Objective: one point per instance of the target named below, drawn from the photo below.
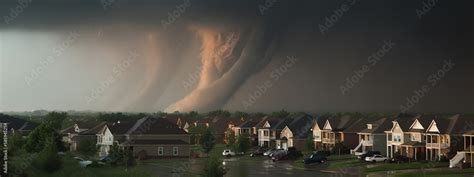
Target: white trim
(432, 124)
(177, 150)
(416, 124)
(327, 125)
(267, 125)
(161, 151)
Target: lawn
(440, 173)
(405, 166)
(71, 168)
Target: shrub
(213, 168)
(48, 159)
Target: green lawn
(405, 166)
(440, 173)
(71, 168)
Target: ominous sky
(250, 55)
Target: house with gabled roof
(146, 137)
(268, 131)
(464, 155)
(333, 132)
(181, 121)
(16, 125)
(316, 130)
(295, 132)
(406, 136)
(373, 137)
(439, 135)
(81, 130)
(414, 146)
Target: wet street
(237, 167)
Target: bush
(340, 148)
(48, 159)
(443, 158)
(213, 168)
(87, 147)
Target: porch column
(415, 153)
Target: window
(175, 151)
(265, 133)
(160, 151)
(369, 126)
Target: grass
(71, 168)
(406, 166)
(440, 173)
(341, 157)
(344, 164)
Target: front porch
(413, 150)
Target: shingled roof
(301, 125)
(17, 124)
(155, 126)
(342, 123)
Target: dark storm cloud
(444, 31)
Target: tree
(87, 147)
(309, 143)
(243, 143)
(230, 138)
(220, 113)
(37, 139)
(193, 114)
(213, 168)
(280, 114)
(241, 114)
(56, 119)
(48, 159)
(207, 141)
(196, 132)
(120, 156)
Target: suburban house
(268, 131)
(220, 125)
(316, 129)
(231, 123)
(406, 136)
(372, 137)
(112, 133)
(16, 125)
(146, 137)
(439, 137)
(152, 137)
(465, 155)
(295, 132)
(181, 122)
(333, 132)
(414, 146)
(80, 131)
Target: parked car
(399, 159)
(277, 152)
(268, 152)
(325, 153)
(83, 163)
(258, 152)
(368, 154)
(376, 158)
(228, 153)
(315, 158)
(290, 154)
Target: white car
(83, 163)
(376, 158)
(228, 153)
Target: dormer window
(369, 126)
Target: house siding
(152, 150)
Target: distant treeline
(73, 116)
